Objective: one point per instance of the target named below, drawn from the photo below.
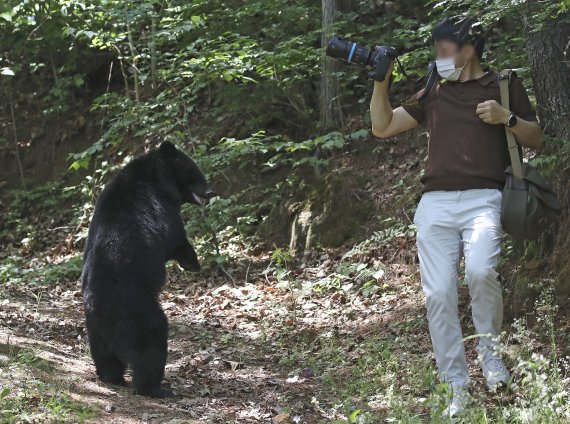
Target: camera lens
(341, 48)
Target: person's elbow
(377, 132)
(538, 138)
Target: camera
(378, 59)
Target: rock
(283, 418)
(308, 373)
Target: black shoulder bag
(529, 205)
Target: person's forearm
(380, 109)
(528, 134)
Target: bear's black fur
(136, 228)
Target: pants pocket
(417, 214)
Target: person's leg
(439, 242)
(481, 233)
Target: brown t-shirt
(463, 151)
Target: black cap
(460, 29)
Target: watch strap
(512, 117)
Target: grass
(28, 395)
(384, 385)
(40, 402)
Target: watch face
(512, 120)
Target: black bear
(136, 228)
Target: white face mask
(446, 68)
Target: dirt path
(236, 354)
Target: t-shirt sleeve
(518, 100)
(415, 108)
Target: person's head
(459, 37)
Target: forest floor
(337, 336)
(301, 343)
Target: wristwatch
(511, 121)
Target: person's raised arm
(385, 121)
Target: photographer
(462, 187)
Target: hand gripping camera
(378, 59)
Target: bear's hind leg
(149, 356)
(110, 369)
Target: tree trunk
(331, 112)
(154, 19)
(551, 75)
(548, 59)
(133, 53)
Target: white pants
(448, 223)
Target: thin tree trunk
(16, 150)
(53, 68)
(154, 18)
(331, 112)
(133, 53)
(123, 72)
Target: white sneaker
(494, 370)
(459, 400)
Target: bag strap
(504, 80)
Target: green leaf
(353, 415)
(81, 163)
(360, 134)
(4, 393)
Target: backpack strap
(431, 78)
(504, 80)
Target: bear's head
(189, 178)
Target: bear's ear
(168, 149)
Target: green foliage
(282, 258)
(276, 150)
(280, 268)
(210, 230)
(261, 55)
(35, 32)
(235, 82)
(16, 270)
(27, 209)
(393, 230)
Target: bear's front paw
(193, 266)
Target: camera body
(377, 59)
